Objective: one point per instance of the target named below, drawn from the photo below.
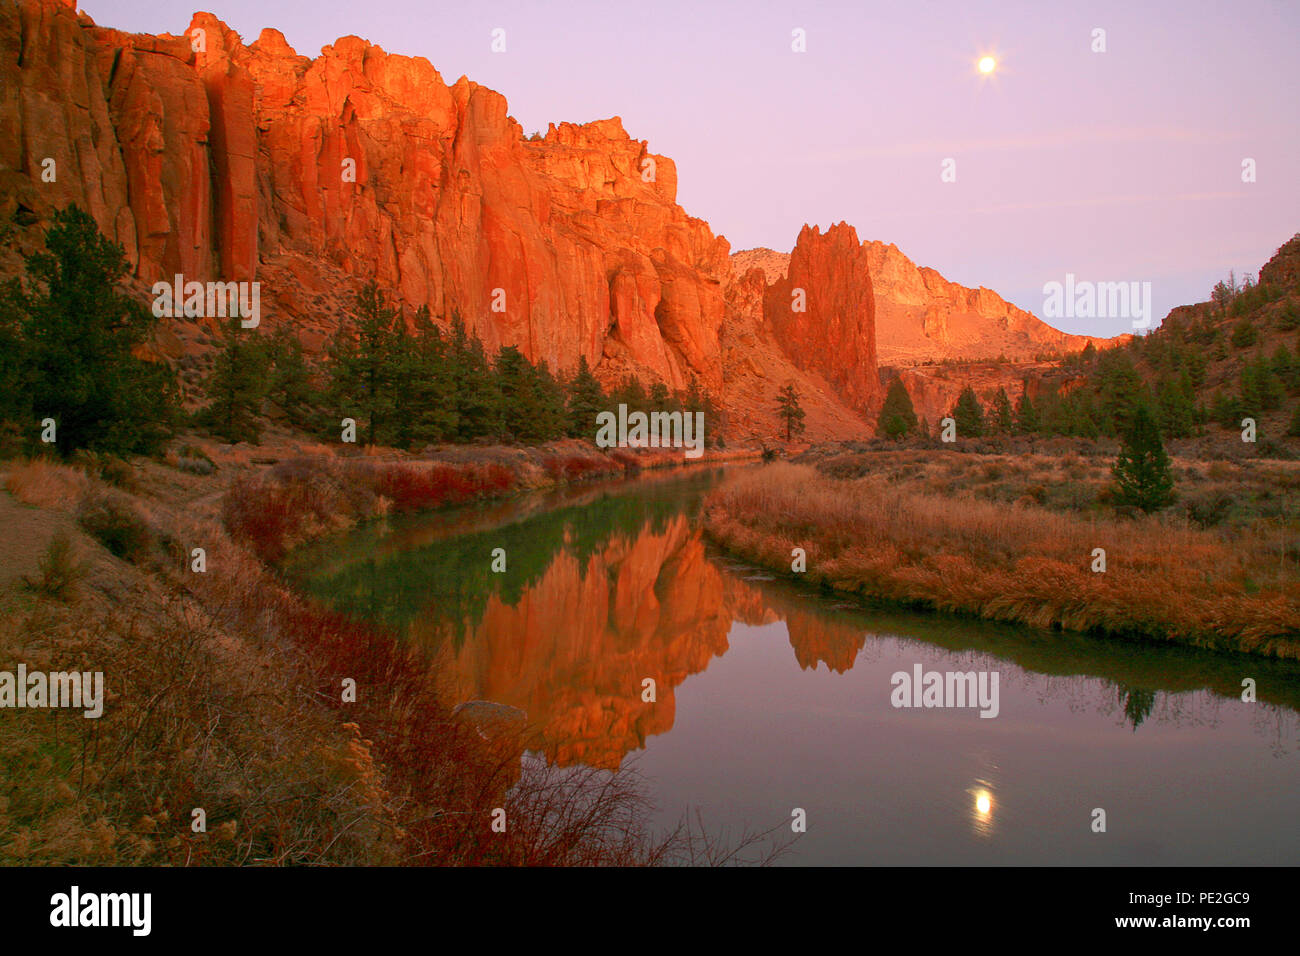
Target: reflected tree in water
(1138, 704)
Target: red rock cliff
(218, 160)
(823, 314)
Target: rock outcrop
(1284, 268)
(921, 316)
(823, 312)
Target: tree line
(411, 385)
(71, 347)
(1107, 395)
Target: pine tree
(1196, 362)
(660, 400)
(401, 372)
(433, 411)
(695, 399)
(1121, 391)
(968, 414)
(1142, 472)
(290, 387)
(361, 364)
(1243, 335)
(586, 401)
(897, 416)
(476, 398)
(632, 394)
(790, 411)
(552, 418)
(1176, 412)
(520, 403)
(1260, 389)
(1002, 416)
(70, 339)
(237, 385)
(1286, 368)
(1027, 420)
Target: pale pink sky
(1122, 165)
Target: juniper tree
(968, 414)
(586, 400)
(71, 339)
(361, 365)
(236, 386)
(897, 416)
(1142, 472)
(790, 411)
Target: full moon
(988, 64)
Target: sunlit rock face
(216, 159)
(220, 160)
(921, 316)
(823, 312)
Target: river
(772, 698)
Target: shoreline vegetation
(228, 691)
(983, 536)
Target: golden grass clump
(46, 484)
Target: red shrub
(419, 487)
(264, 513)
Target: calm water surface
(772, 696)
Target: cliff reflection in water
(612, 587)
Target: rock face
(823, 312)
(222, 161)
(921, 316)
(1284, 268)
(755, 367)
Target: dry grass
(1165, 579)
(46, 484)
(1234, 493)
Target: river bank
(244, 723)
(882, 533)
